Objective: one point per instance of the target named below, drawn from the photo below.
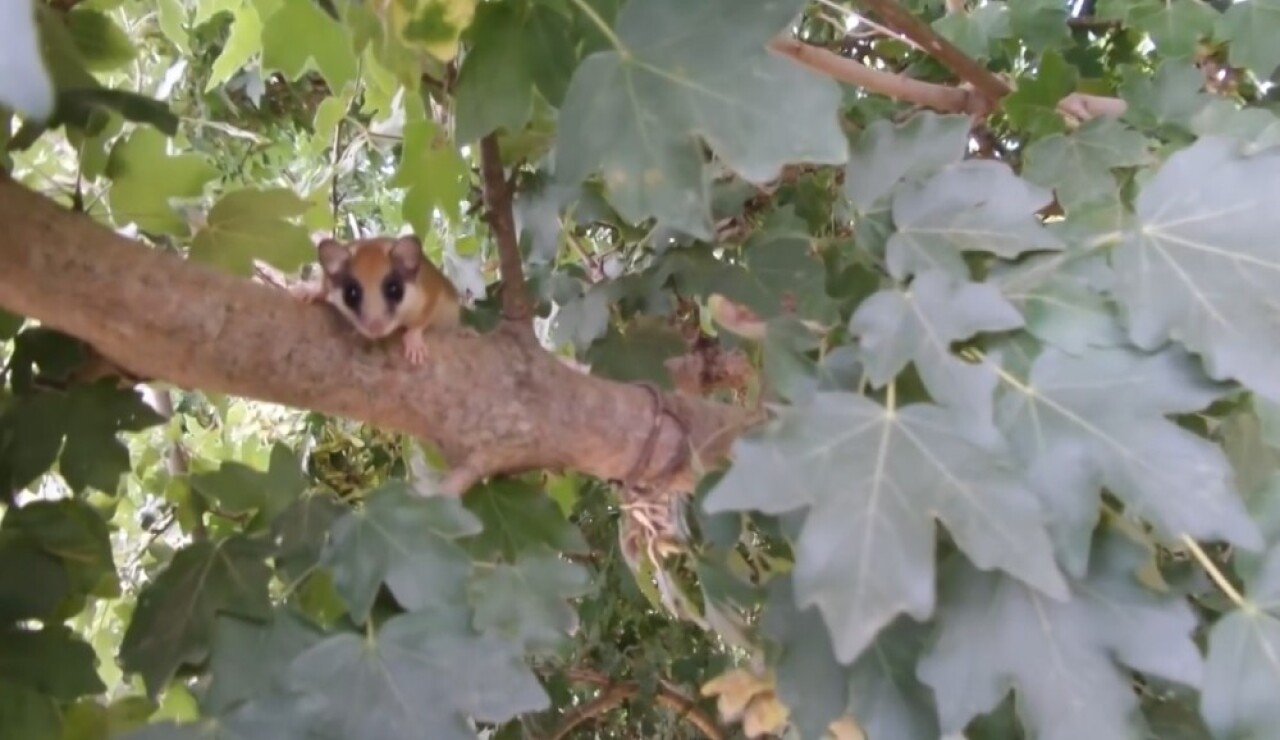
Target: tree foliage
(1003, 274)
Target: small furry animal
(382, 284)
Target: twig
(938, 97)
(497, 199)
(942, 98)
(614, 693)
(898, 18)
(177, 464)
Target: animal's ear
(406, 255)
(333, 255)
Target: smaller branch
(178, 464)
(614, 693)
(497, 199)
(955, 6)
(898, 18)
(938, 97)
(941, 98)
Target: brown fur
(429, 301)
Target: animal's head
(373, 282)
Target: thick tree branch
(493, 403)
(497, 200)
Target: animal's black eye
(351, 294)
(393, 289)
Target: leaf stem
(605, 29)
(1217, 575)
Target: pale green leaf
(877, 478)
(144, 178)
(300, 37)
(103, 45)
(976, 30)
(1251, 29)
(919, 324)
(635, 113)
(1178, 26)
(1242, 675)
(528, 601)
(174, 621)
(243, 43)
(421, 675)
(1202, 264)
(1059, 656)
(254, 224)
(434, 173)
(406, 541)
(970, 206)
(885, 155)
(1077, 166)
(1099, 419)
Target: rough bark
(491, 403)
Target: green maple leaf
(920, 324)
(885, 155)
(301, 530)
(1061, 296)
(53, 661)
(177, 612)
(253, 224)
(784, 275)
(970, 206)
(75, 533)
(1242, 675)
(528, 601)
(877, 478)
(678, 73)
(102, 44)
(1077, 166)
(420, 676)
(1259, 128)
(1172, 97)
(637, 355)
(435, 174)
(513, 47)
(298, 36)
(519, 517)
(1081, 423)
(242, 44)
(78, 428)
(248, 658)
(406, 541)
(1040, 25)
(976, 30)
(1178, 25)
(238, 488)
(1033, 107)
(27, 713)
(1201, 264)
(1251, 28)
(144, 178)
(880, 689)
(1059, 656)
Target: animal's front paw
(414, 348)
(307, 292)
